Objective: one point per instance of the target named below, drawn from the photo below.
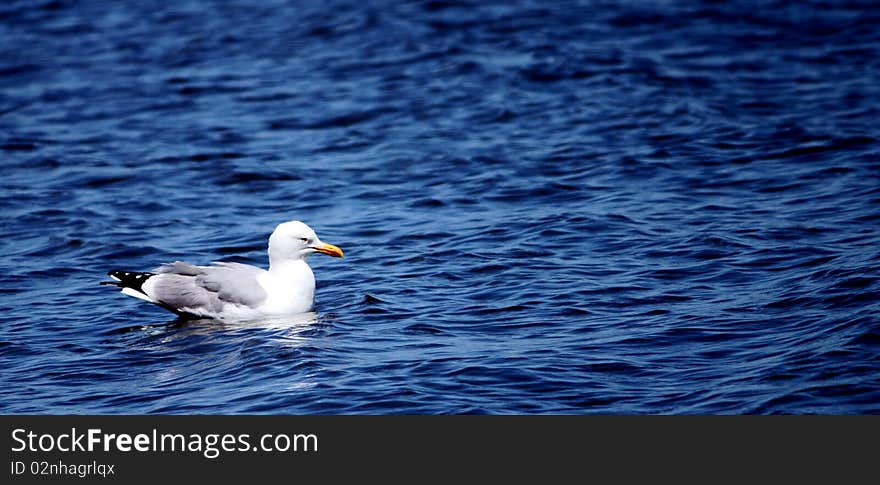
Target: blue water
(595, 207)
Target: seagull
(235, 291)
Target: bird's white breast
(290, 289)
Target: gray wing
(206, 289)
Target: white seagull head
(295, 240)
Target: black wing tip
(127, 279)
(117, 281)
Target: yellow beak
(330, 250)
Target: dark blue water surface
(596, 207)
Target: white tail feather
(137, 294)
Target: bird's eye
(304, 239)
